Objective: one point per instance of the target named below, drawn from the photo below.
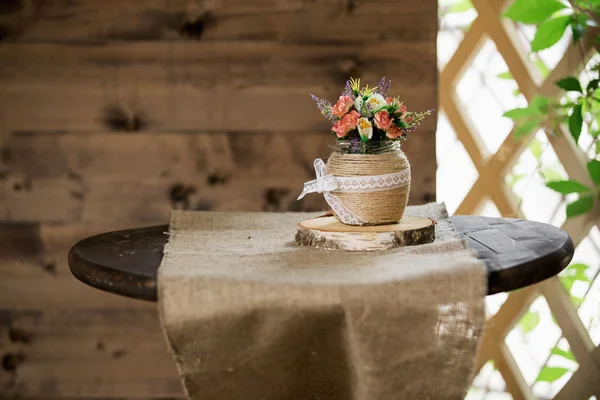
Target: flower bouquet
(366, 180)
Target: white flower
(365, 129)
(376, 101)
(358, 103)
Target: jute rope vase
(384, 206)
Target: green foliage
(580, 206)
(529, 321)
(526, 128)
(576, 122)
(528, 119)
(543, 68)
(460, 7)
(533, 11)
(550, 32)
(570, 83)
(574, 273)
(551, 174)
(519, 113)
(551, 374)
(593, 167)
(566, 187)
(568, 354)
(536, 149)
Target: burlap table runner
(250, 315)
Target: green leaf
(551, 374)
(593, 167)
(526, 128)
(533, 11)
(519, 113)
(578, 268)
(550, 174)
(536, 149)
(544, 70)
(540, 102)
(459, 7)
(593, 85)
(550, 32)
(578, 31)
(577, 300)
(570, 84)
(529, 321)
(563, 353)
(576, 122)
(597, 147)
(567, 282)
(569, 186)
(581, 206)
(512, 179)
(505, 75)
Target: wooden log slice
(328, 233)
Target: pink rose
(343, 105)
(389, 100)
(402, 111)
(408, 119)
(394, 132)
(351, 119)
(346, 124)
(383, 120)
(339, 129)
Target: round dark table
(517, 253)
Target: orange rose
(351, 119)
(402, 111)
(383, 120)
(343, 105)
(394, 132)
(346, 124)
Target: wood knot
(428, 197)
(10, 361)
(217, 178)
(17, 335)
(274, 197)
(349, 67)
(195, 28)
(350, 6)
(117, 119)
(49, 267)
(179, 195)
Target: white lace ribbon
(327, 183)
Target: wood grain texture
(113, 112)
(102, 20)
(181, 85)
(85, 353)
(83, 175)
(328, 233)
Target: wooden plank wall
(112, 112)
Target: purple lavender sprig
(348, 90)
(383, 88)
(324, 107)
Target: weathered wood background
(112, 112)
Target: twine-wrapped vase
(384, 204)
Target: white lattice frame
(492, 169)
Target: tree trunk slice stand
(326, 232)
